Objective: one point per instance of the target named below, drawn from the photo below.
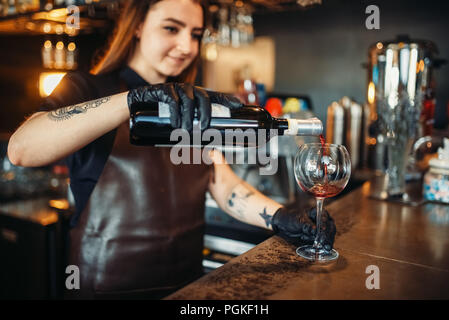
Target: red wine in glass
(322, 170)
(325, 191)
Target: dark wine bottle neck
(280, 124)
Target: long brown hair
(123, 41)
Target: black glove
(183, 99)
(300, 227)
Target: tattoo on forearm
(234, 196)
(266, 217)
(68, 112)
(237, 200)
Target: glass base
(317, 255)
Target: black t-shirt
(86, 165)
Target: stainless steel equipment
(335, 132)
(399, 75)
(346, 125)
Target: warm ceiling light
(47, 44)
(71, 46)
(70, 30)
(58, 13)
(47, 27)
(306, 3)
(210, 52)
(59, 29)
(48, 81)
(60, 45)
(371, 92)
(48, 6)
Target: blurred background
(297, 59)
(317, 50)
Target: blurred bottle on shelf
(248, 27)
(71, 56)
(261, 93)
(234, 24)
(47, 54)
(57, 55)
(274, 107)
(234, 28)
(246, 87)
(224, 31)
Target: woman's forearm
(49, 136)
(238, 198)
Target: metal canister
(399, 74)
(353, 130)
(335, 132)
(345, 125)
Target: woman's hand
(301, 226)
(183, 99)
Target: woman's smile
(177, 60)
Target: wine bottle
(150, 125)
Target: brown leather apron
(141, 233)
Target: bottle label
(218, 111)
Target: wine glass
(322, 170)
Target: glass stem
(319, 210)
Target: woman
(138, 227)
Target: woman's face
(170, 36)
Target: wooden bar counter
(408, 244)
